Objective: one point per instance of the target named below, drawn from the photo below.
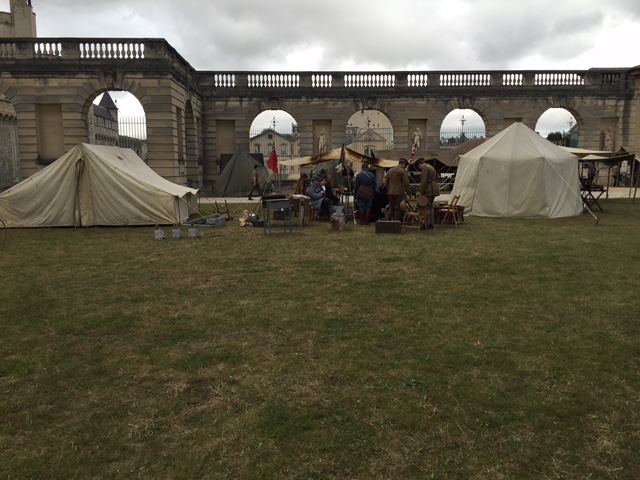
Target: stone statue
(322, 143)
(608, 140)
(417, 136)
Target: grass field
(505, 349)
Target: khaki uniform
(397, 189)
(429, 188)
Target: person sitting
(318, 198)
(380, 201)
(327, 186)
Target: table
(590, 195)
(281, 206)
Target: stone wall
(195, 117)
(9, 155)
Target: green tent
(235, 178)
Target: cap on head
(315, 178)
(365, 166)
(403, 161)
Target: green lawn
(505, 349)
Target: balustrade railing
(111, 50)
(123, 50)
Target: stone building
(9, 153)
(103, 122)
(20, 21)
(287, 146)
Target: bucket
(338, 222)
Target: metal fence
(133, 134)
(126, 132)
(451, 138)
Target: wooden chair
(415, 218)
(451, 211)
(224, 213)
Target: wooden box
(388, 226)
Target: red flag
(273, 161)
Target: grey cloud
(400, 35)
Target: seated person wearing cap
(318, 198)
(327, 186)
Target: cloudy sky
(356, 35)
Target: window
(283, 149)
(256, 148)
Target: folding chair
(226, 214)
(451, 211)
(414, 218)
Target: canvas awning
(342, 153)
(610, 160)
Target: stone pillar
(9, 154)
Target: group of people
(372, 201)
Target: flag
(273, 161)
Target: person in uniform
(429, 188)
(398, 188)
(255, 181)
(364, 188)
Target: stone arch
(369, 131)
(461, 125)
(116, 119)
(559, 125)
(276, 128)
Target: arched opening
(369, 132)
(558, 125)
(460, 126)
(117, 118)
(275, 130)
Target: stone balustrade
(141, 50)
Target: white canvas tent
(96, 185)
(518, 173)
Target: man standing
(255, 181)
(398, 188)
(364, 188)
(429, 188)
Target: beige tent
(96, 185)
(518, 173)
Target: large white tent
(518, 173)
(96, 185)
